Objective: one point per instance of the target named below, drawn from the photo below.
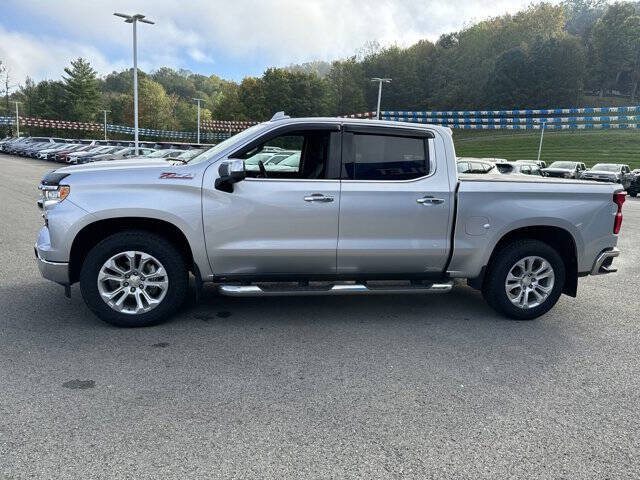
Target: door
(395, 205)
(283, 218)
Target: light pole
(198, 100)
(105, 122)
(380, 82)
(134, 19)
(17, 119)
(541, 138)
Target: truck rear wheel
(134, 279)
(524, 280)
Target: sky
(232, 39)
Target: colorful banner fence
(508, 113)
(218, 130)
(522, 119)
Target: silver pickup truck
(320, 206)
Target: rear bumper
(603, 262)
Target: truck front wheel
(134, 279)
(524, 280)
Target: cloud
(45, 58)
(44, 36)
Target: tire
(145, 305)
(633, 193)
(494, 289)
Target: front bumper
(55, 271)
(603, 262)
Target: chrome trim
(598, 269)
(341, 289)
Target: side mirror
(230, 172)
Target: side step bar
(341, 289)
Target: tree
(155, 107)
(612, 45)
(557, 68)
(346, 83)
(176, 83)
(581, 15)
(510, 87)
(632, 30)
(82, 91)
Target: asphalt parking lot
(336, 387)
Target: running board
(346, 289)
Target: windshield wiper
(168, 159)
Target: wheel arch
(91, 234)
(556, 237)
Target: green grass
(588, 146)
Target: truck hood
(117, 164)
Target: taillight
(618, 199)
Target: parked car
(540, 163)
(474, 165)
(63, 155)
(121, 153)
(77, 156)
(565, 169)
(519, 168)
(269, 157)
(609, 172)
(131, 231)
(96, 156)
(33, 148)
(159, 154)
(12, 142)
(189, 154)
(634, 184)
(45, 152)
(289, 164)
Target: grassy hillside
(613, 146)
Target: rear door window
(386, 157)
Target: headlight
(52, 194)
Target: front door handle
(429, 200)
(318, 197)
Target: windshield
(606, 167)
(220, 147)
(504, 167)
(568, 165)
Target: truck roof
(361, 121)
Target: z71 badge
(175, 176)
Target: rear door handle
(318, 197)
(429, 200)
